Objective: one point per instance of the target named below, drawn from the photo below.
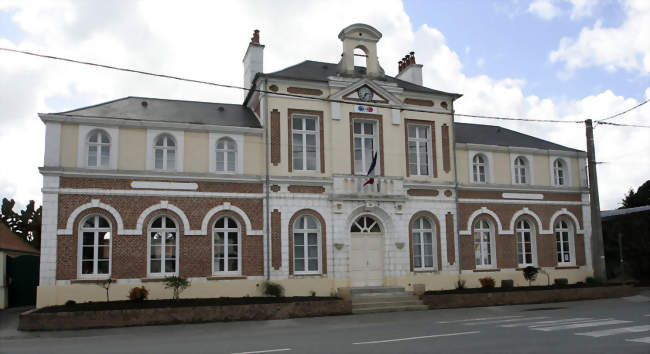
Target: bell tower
(365, 38)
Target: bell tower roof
(360, 31)
(363, 37)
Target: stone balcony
(350, 187)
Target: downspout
(267, 184)
(457, 232)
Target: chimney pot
(412, 57)
(399, 66)
(256, 37)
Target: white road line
(264, 351)
(640, 340)
(505, 321)
(413, 338)
(613, 331)
(571, 322)
(548, 323)
(581, 325)
(479, 319)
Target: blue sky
(556, 59)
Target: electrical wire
(600, 121)
(311, 97)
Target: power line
(600, 121)
(625, 125)
(302, 96)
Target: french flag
(371, 180)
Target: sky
(548, 59)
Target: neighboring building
(18, 270)
(141, 188)
(626, 233)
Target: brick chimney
(409, 71)
(253, 60)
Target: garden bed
(157, 312)
(522, 295)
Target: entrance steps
(384, 299)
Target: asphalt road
(600, 326)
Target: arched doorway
(366, 252)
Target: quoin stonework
(228, 195)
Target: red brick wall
(275, 137)
(120, 183)
(451, 248)
(446, 164)
(276, 239)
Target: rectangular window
(304, 142)
(418, 150)
(365, 142)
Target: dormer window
(165, 153)
(99, 149)
(479, 169)
(559, 172)
(522, 175)
(226, 155)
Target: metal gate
(22, 276)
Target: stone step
(390, 309)
(363, 297)
(376, 289)
(383, 298)
(364, 305)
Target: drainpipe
(457, 233)
(267, 181)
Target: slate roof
(11, 242)
(320, 71)
(495, 135)
(176, 111)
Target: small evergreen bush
(460, 284)
(507, 283)
(178, 284)
(530, 274)
(138, 294)
(561, 281)
(487, 282)
(70, 303)
(592, 281)
(270, 288)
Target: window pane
(105, 153)
(231, 161)
(297, 124)
(159, 159)
(298, 239)
(411, 131)
(312, 239)
(170, 252)
(313, 265)
(93, 137)
(220, 223)
(428, 261)
(357, 128)
(232, 264)
(87, 267)
(170, 266)
(299, 265)
(311, 222)
(103, 252)
(422, 132)
(155, 266)
(300, 252)
(88, 253)
(312, 252)
(231, 223)
(417, 261)
(170, 142)
(367, 128)
(171, 159)
(102, 267)
(310, 124)
(92, 155)
(88, 238)
(156, 252)
(220, 161)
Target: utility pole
(597, 252)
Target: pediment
(379, 94)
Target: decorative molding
(522, 196)
(164, 185)
(482, 210)
(520, 201)
(304, 91)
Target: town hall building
(327, 176)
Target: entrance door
(367, 252)
(22, 274)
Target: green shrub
(312, 293)
(530, 274)
(460, 284)
(487, 282)
(592, 281)
(70, 303)
(561, 281)
(138, 294)
(507, 283)
(178, 284)
(270, 288)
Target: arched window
(99, 149)
(564, 237)
(163, 246)
(559, 172)
(165, 153)
(226, 155)
(521, 170)
(424, 237)
(306, 245)
(95, 246)
(525, 243)
(479, 169)
(484, 243)
(365, 224)
(360, 57)
(226, 252)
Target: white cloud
(625, 47)
(582, 8)
(544, 9)
(207, 40)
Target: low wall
(35, 321)
(520, 297)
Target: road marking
(479, 319)
(548, 323)
(264, 351)
(640, 340)
(421, 337)
(580, 325)
(505, 321)
(613, 331)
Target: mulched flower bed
(150, 304)
(517, 288)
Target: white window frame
(82, 146)
(567, 170)
(417, 139)
(239, 142)
(225, 151)
(528, 167)
(227, 230)
(476, 169)
(150, 229)
(570, 230)
(492, 239)
(489, 176)
(99, 146)
(305, 231)
(418, 228)
(95, 230)
(179, 140)
(520, 230)
(304, 133)
(375, 145)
